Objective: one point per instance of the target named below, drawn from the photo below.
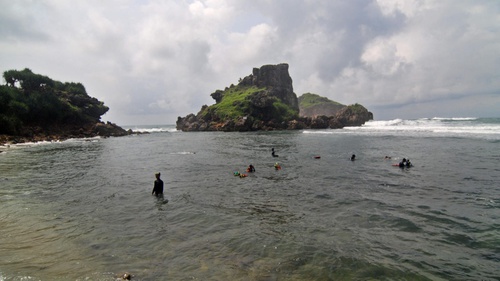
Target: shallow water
(83, 210)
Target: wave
(153, 128)
(437, 126)
(455, 118)
(183, 153)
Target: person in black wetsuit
(353, 157)
(402, 164)
(273, 153)
(158, 186)
(251, 168)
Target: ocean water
(83, 209)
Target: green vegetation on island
(308, 100)
(35, 107)
(313, 105)
(264, 100)
(246, 101)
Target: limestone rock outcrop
(265, 100)
(277, 80)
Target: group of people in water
(405, 163)
(158, 184)
(250, 169)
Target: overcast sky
(152, 61)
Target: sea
(82, 209)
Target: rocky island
(265, 100)
(35, 108)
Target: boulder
(108, 130)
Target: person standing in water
(158, 186)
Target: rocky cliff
(265, 100)
(276, 80)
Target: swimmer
(251, 168)
(402, 164)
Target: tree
(28, 80)
(33, 100)
(10, 77)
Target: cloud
(17, 18)
(151, 61)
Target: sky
(151, 61)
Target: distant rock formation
(312, 105)
(322, 113)
(349, 116)
(265, 100)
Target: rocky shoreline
(35, 108)
(346, 117)
(37, 134)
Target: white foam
(318, 132)
(455, 118)
(154, 129)
(436, 126)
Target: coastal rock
(312, 105)
(320, 122)
(355, 115)
(265, 100)
(352, 115)
(324, 113)
(109, 130)
(61, 133)
(277, 79)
